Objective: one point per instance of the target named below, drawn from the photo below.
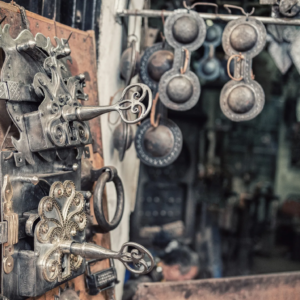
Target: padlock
(101, 280)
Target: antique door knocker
(242, 98)
(185, 31)
(209, 66)
(158, 142)
(105, 175)
(156, 61)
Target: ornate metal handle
(134, 104)
(135, 256)
(108, 174)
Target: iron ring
(109, 174)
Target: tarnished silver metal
(108, 174)
(43, 99)
(243, 98)
(156, 60)
(179, 88)
(209, 66)
(135, 256)
(29, 226)
(160, 146)
(134, 104)
(62, 220)
(122, 139)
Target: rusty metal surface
(284, 286)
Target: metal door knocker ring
(240, 57)
(108, 174)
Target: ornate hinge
(12, 221)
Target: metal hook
(201, 3)
(228, 6)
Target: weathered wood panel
(282, 286)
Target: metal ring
(109, 174)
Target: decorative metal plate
(163, 86)
(169, 29)
(257, 107)
(149, 159)
(259, 28)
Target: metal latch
(3, 233)
(101, 280)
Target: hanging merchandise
(185, 31)
(156, 61)
(242, 98)
(129, 67)
(209, 66)
(130, 59)
(158, 142)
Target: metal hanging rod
(148, 13)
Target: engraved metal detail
(62, 217)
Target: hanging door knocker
(158, 141)
(156, 61)
(108, 174)
(185, 31)
(242, 98)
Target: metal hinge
(12, 220)
(3, 232)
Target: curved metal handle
(134, 104)
(109, 174)
(135, 256)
